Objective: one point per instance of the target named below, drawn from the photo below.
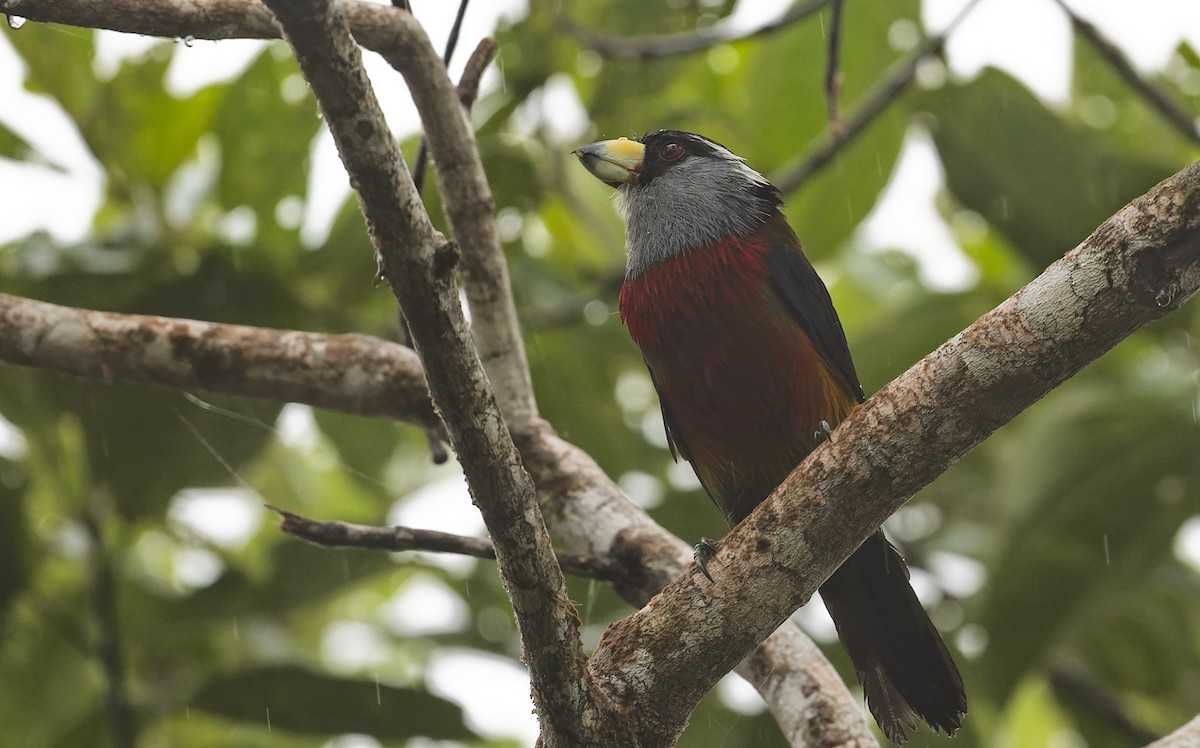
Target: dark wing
(674, 436)
(801, 292)
(678, 448)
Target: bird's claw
(703, 551)
(824, 433)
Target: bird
(752, 370)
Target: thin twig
(397, 539)
(423, 149)
(469, 208)
(884, 94)
(468, 84)
(667, 45)
(436, 450)
(1171, 111)
(833, 72)
(468, 90)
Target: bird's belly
(747, 392)
(744, 387)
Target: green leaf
(42, 664)
(296, 574)
(139, 131)
(264, 137)
(1041, 181)
(17, 148)
(784, 113)
(60, 64)
(298, 700)
(146, 445)
(1086, 503)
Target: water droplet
(1164, 297)
(189, 40)
(15, 22)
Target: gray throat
(662, 220)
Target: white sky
(1027, 38)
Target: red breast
(739, 376)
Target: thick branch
(418, 264)
(588, 512)
(1139, 265)
(355, 374)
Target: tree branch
(588, 512)
(355, 374)
(883, 95)
(469, 208)
(418, 264)
(1185, 737)
(655, 46)
(396, 539)
(1140, 264)
(833, 71)
(1170, 111)
(1082, 689)
(418, 171)
(213, 19)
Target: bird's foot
(824, 433)
(704, 551)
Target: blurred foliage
(1051, 549)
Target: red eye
(671, 151)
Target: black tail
(902, 663)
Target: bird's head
(679, 191)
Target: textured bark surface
(652, 668)
(356, 374)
